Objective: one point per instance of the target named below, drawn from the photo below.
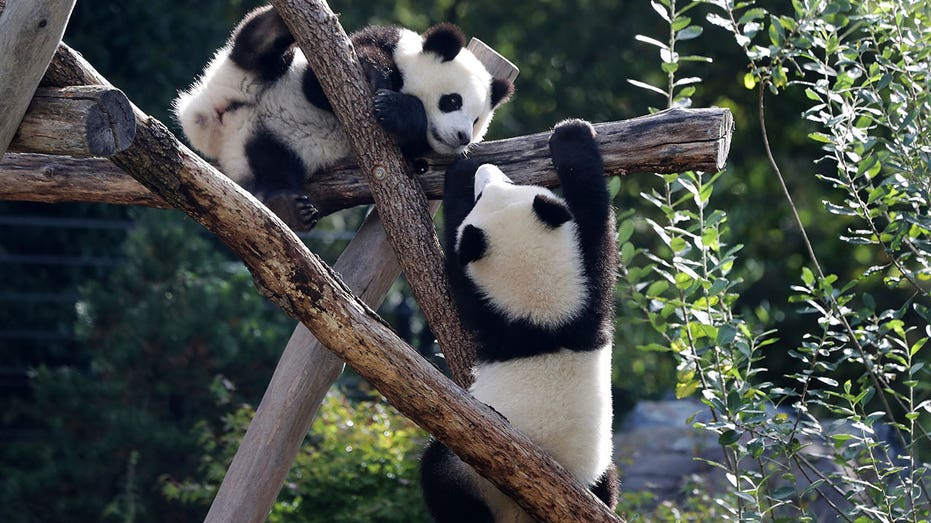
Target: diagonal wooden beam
(666, 142)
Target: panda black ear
(472, 245)
(551, 211)
(445, 40)
(501, 91)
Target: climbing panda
(533, 275)
(259, 110)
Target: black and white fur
(259, 110)
(533, 274)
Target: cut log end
(78, 121)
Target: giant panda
(533, 275)
(259, 110)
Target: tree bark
(671, 141)
(298, 282)
(400, 201)
(304, 373)
(29, 34)
(56, 179)
(82, 121)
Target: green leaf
(749, 81)
(680, 23)
(689, 33)
(625, 231)
(728, 438)
(648, 87)
(657, 288)
(807, 276)
(726, 334)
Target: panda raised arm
(260, 112)
(533, 275)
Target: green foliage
(358, 463)
(864, 66)
(171, 318)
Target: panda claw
(295, 209)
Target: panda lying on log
(533, 274)
(260, 112)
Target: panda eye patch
(450, 102)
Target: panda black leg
(578, 163)
(606, 489)
(403, 115)
(262, 43)
(449, 496)
(279, 179)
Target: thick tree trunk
(92, 120)
(298, 282)
(666, 142)
(29, 34)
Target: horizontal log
(669, 141)
(92, 120)
(56, 179)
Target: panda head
(458, 94)
(519, 246)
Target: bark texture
(82, 121)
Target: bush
(358, 463)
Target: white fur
(561, 401)
(522, 252)
(312, 133)
(428, 77)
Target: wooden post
(92, 120)
(29, 34)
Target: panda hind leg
(262, 43)
(278, 180)
(451, 497)
(606, 489)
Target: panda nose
(464, 138)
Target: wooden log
(29, 35)
(304, 373)
(297, 281)
(55, 179)
(670, 141)
(92, 120)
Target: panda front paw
(400, 114)
(573, 143)
(294, 208)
